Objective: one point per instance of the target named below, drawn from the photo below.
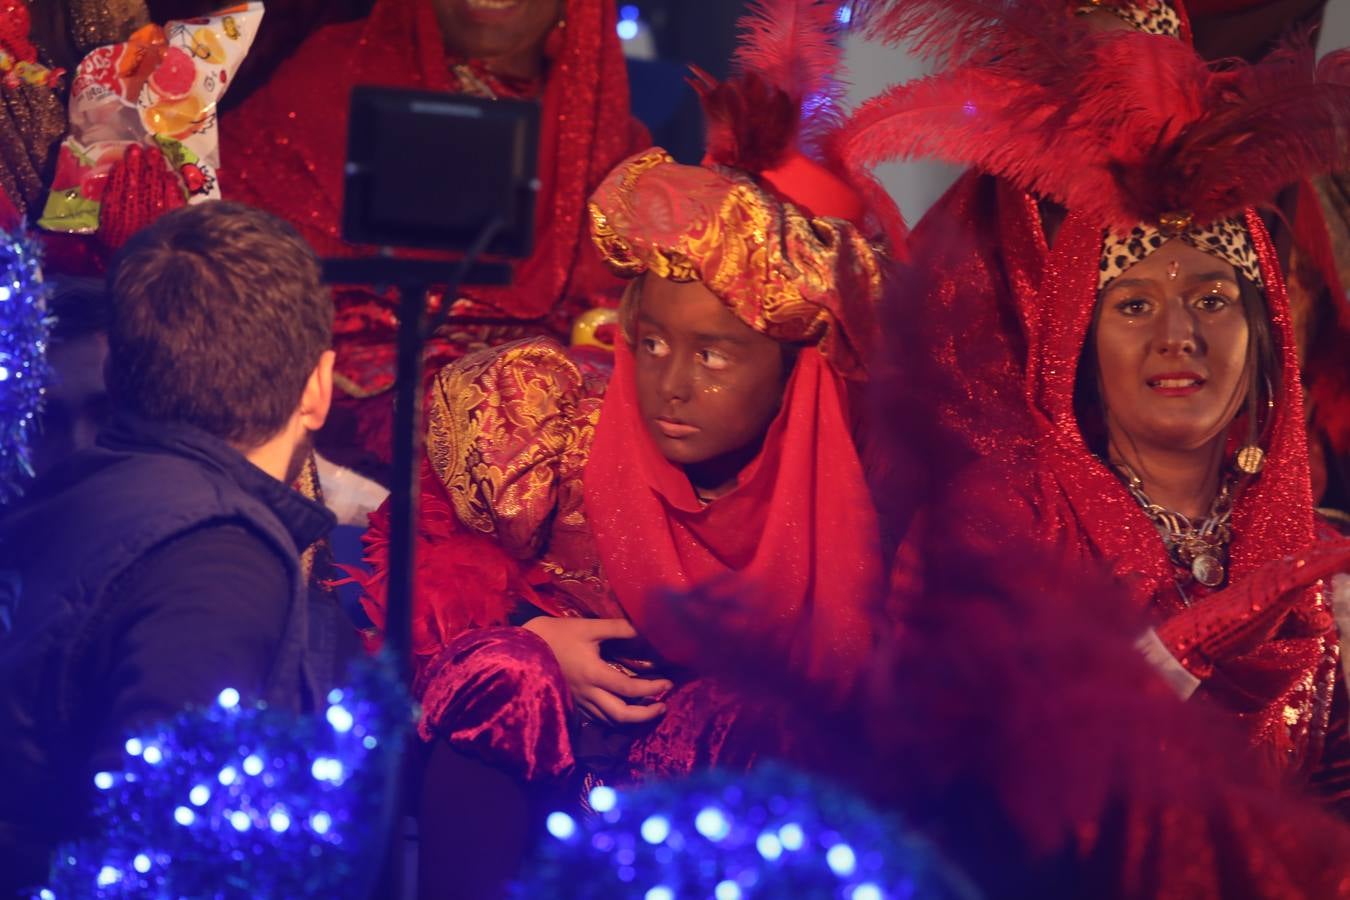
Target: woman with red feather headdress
(1162, 406)
(976, 255)
(284, 147)
(557, 509)
(982, 245)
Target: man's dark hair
(219, 315)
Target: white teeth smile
(491, 4)
(1175, 382)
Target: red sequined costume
(1163, 144)
(544, 487)
(283, 150)
(1278, 681)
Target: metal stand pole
(412, 279)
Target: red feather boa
(463, 580)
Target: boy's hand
(600, 690)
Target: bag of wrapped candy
(156, 90)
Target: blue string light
(655, 829)
(561, 825)
(228, 802)
(24, 372)
(603, 799)
(731, 836)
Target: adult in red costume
(559, 513)
(1268, 656)
(283, 150)
(976, 257)
(1164, 161)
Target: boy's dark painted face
(708, 384)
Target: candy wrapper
(157, 89)
(18, 57)
(15, 71)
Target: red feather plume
(1119, 126)
(752, 125)
(784, 96)
(1262, 128)
(791, 44)
(953, 32)
(784, 90)
(950, 33)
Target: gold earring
(1251, 459)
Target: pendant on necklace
(1207, 570)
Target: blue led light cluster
(238, 800)
(724, 836)
(24, 373)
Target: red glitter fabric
(283, 150)
(978, 256)
(1059, 492)
(795, 542)
(954, 320)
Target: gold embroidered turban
(792, 276)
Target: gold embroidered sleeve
(508, 431)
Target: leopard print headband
(1227, 239)
(1147, 16)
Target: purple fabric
(497, 693)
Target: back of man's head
(219, 315)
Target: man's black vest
(81, 528)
